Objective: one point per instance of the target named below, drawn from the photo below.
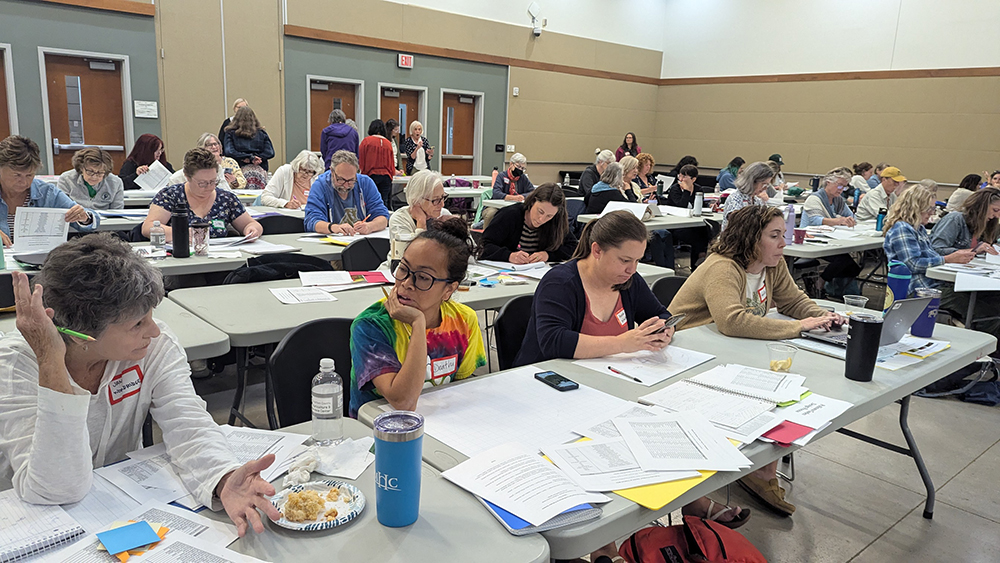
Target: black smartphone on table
(556, 381)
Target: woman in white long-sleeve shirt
(289, 186)
(69, 404)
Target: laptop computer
(896, 322)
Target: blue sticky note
(128, 537)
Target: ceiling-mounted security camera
(537, 31)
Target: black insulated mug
(863, 334)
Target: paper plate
(347, 511)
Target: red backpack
(696, 541)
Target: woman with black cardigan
(536, 230)
(597, 305)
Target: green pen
(79, 335)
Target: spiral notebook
(27, 529)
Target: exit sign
(405, 61)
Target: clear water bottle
(157, 235)
(327, 405)
(790, 224)
(566, 180)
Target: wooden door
(405, 109)
(325, 97)
(4, 111)
(92, 90)
(458, 131)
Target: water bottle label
(322, 405)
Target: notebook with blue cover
(519, 527)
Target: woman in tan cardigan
(744, 276)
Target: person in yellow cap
(893, 182)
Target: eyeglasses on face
(344, 182)
(421, 280)
(436, 200)
(94, 173)
(205, 184)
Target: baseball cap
(776, 158)
(894, 173)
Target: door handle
(56, 147)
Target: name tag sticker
(762, 293)
(218, 224)
(124, 385)
(443, 367)
(622, 319)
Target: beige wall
(189, 33)
(940, 128)
(192, 84)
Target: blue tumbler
(398, 449)
(924, 325)
(897, 285)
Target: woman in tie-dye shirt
(418, 337)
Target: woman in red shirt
(376, 159)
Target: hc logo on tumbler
(386, 482)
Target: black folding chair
(666, 288)
(281, 224)
(288, 383)
(365, 254)
(509, 327)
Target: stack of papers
(805, 419)
(513, 267)
(647, 367)
(155, 179)
(518, 480)
(295, 295)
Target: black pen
(623, 374)
(817, 241)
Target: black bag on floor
(976, 390)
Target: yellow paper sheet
(655, 497)
(336, 241)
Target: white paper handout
(963, 282)
(177, 547)
(607, 429)
(39, 229)
(155, 178)
(607, 465)
(814, 411)
(484, 412)
(758, 383)
(336, 277)
(518, 480)
(104, 504)
(515, 267)
(180, 520)
(647, 367)
(637, 209)
(680, 441)
(295, 295)
(146, 479)
(721, 408)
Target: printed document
(39, 229)
(146, 479)
(647, 367)
(518, 480)
(607, 428)
(155, 179)
(679, 442)
(758, 383)
(720, 407)
(607, 465)
(814, 411)
(294, 295)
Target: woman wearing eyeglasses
(91, 183)
(425, 199)
(417, 337)
(289, 186)
(753, 181)
(205, 200)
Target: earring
(85, 348)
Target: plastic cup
(781, 356)
(800, 236)
(855, 303)
(475, 184)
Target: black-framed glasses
(344, 182)
(421, 280)
(437, 200)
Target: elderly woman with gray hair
(425, 199)
(592, 174)
(751, 184)
(513, 183)
(87, 364)
(289, 186)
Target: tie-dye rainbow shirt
(379, 344)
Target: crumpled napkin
(347, 460)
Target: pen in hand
(623, 374)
